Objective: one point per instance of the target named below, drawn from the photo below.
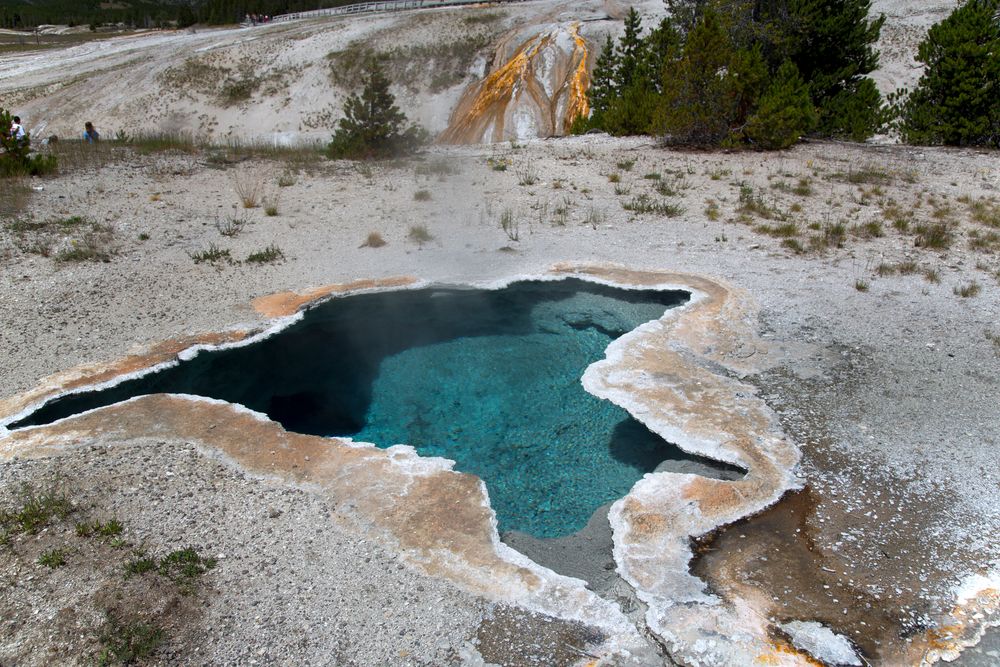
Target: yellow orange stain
(481, 113)
(782, 652)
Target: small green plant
(270, 206)
(645, 204)
(935, 236)
(422, 195)
(110, 528)
(231, 226)
(373, 240)
(143, 236)
(965, 291)
(526, 174)
(94, 246)
(995, 339)
(140, 563)
(53, 558)
(614, 177)
(794, 245)
(868, 230)
(984, 211)
(868, 175)
(286, 180)
(212, 255)
(988, 242)
(622, 190)
(510, 225)
(752, 203)
(784, 230)
(560, 214)
(653, 176)
(420, 234)
(72, 221)
(803, 188)
(125, 642)
(665, 189)
(712, 209)
(236, 91)
(595, 218)
(932, 276)
(719, 174)
(625, 165)
(268, 255)
(184, 566)
(861, 285)
(831, 235)
(36, 509)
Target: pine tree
(784, 112)
(832, 44)
(698, 93)
(372, 126)
(603, 85)
(662, 47)
(630, 51)
(957, 100)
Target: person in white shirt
(16, 130)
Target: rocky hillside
(511, 72)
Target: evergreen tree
(957, 100)
(699, 91)
(638, 70)
(662, 47)
(603, 84)
(372, 126)
(832, 44)
(630, 51)
(784, 112)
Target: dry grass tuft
(373, 240)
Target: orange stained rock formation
(538, 91)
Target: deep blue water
(489, 378)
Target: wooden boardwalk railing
(382, 6)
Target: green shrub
(955, 101)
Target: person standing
(17, 130)
(90, 133)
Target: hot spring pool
(488, 378)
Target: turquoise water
(511, 410)
(490, 379)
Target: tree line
(765, 73)
(23, 15)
